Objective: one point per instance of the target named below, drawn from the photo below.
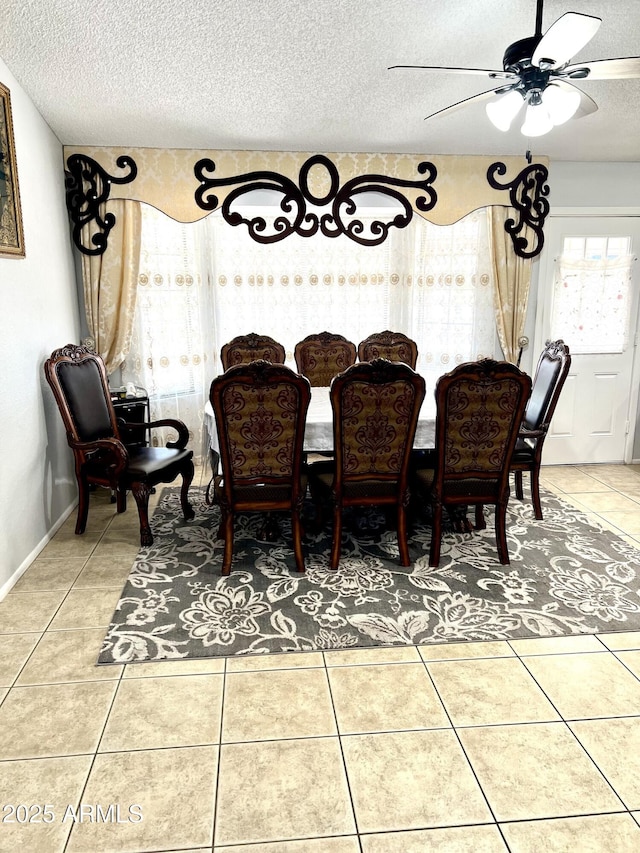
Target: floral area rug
(566, 576)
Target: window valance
(317, 192)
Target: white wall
(595, 184)
(39, 312)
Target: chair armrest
(113, 446)
(179, 426)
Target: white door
(588, 298)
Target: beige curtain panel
(109, 283)
(512, 278)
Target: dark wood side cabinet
(134, 410)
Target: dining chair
(78, 379)
(375, 406)
(551, 373)
(322, 356)
(394, 346)
(252, 347)
(479, 408)
(260, 411)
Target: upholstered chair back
(253, 347)
(479, 409)
(321, 357)
(79, 382)
(376, 406)
(551, 372)
(260, 411)
(393, 346)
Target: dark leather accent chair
(393, 346)
(321, 357)
(479, 410)
(252, 347)
(375, 413)
(551, 373)
(260, 410)
(78, 379)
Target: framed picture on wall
(11, 237)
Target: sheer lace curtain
(447, 304)
(303, 285)
(201, 284)
(592, 301)
(174, 340)
(431, 282)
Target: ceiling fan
(537, 73)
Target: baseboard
(22, 568)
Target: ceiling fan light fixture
(538, 72)
(561, 104)
(537, 121)
(504, 108)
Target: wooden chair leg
(83, 504)
(222, 527)
(436, 535)
(121, 499)
(336, 545)
(480, 519)
(501, 533)
(187, 479)
(227, 521)
(296, 529)
(403, 545)
(141, 492)
(535, 492)
(518, 482)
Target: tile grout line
(214, 815)
(575, 737)
(342, 755)
(464, 752)
(95, 754)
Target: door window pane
(592, 294)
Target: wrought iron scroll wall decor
(88, 186)
(527, 194)
(295, 198)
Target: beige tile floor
(522, 746)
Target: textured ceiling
(302, 75)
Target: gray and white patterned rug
(566, 576)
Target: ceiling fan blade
(566, 37)
(604, 69)
(483, 96)
(486, 72)
(587, 104)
